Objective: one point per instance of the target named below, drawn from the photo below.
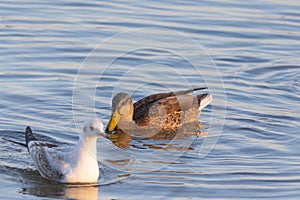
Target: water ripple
(255, 45)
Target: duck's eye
(92, 128)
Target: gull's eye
(92, 128)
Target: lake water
(62, 61)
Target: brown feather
(164, 106)
(162, 110)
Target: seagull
(76, 165)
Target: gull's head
(93, 128)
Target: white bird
(78, 165)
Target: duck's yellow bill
(115, 117)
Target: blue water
(62, 62)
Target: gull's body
(78, 165)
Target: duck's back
(167, 108)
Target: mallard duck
(158, 111)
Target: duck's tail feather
(204, 100)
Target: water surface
(255, 46)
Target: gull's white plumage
(78, 165)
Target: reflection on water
(120, 139)
(33, 184)
(187, 131)
(40, 187)
(82, 192)
(58, 191)
(139, 153)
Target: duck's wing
(155, 97)
(47, 163)
(171, 102)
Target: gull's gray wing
(49, 164)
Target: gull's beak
(113, 122)
(102, 134)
